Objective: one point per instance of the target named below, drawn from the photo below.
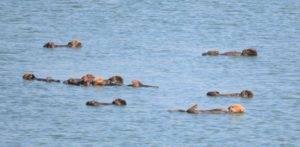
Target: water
(159, 43)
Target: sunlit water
(159, 43)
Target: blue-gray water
(159, 43)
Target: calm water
(159, 43)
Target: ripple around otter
(159, 43)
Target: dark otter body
(243, 94)
(194, 110)
(71, 81)
(48, 80)
(211, 53)
(117, 102)
(137, 83)
(232, 53)
(143, 86)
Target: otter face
(213, 93)
(236, 108)
(246, 94)
(92, 103)
(49, 45)
(116, 80)
(136, 83)
(75, 44)
(193, 109)
(119, 102)
(29, 76)
(87, 79)
(249, 52)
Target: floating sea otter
(245, 52)
(244, 94)
(235, 108)
(137, 83)
(73, 81)
(71, 44)
(115, 81)
(117, 102)
(30, 76)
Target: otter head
(75, 44)
(213, 93)
(193, 109)
(99, 81)
(119, 102)
(49, 45)
(249, 52)
(136, 83)
(246, 94)
(118, 80)
(92, 103)
(87, 79)
(236, 108)
(29, 76)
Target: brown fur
(249, 52)
(211, 53)
(75, 44)
(29, 76)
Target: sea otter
(29, 76)
(117, 102)
(115, 81)
(72, 81)
(211, 53)
(243, 94)
(245, 52)
(71, 44)
(137, 83)
(235, 108)
(48, 79)
(249, 52)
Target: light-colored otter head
(136, 83)
(119, 102)
(99, 81)
(236, 108)
(29, 76)
(88, 78)
(213, 93)
(116, 80)
(75, 44)
(193, 109)
(50, 44)
(249, 52)
(246, 94)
